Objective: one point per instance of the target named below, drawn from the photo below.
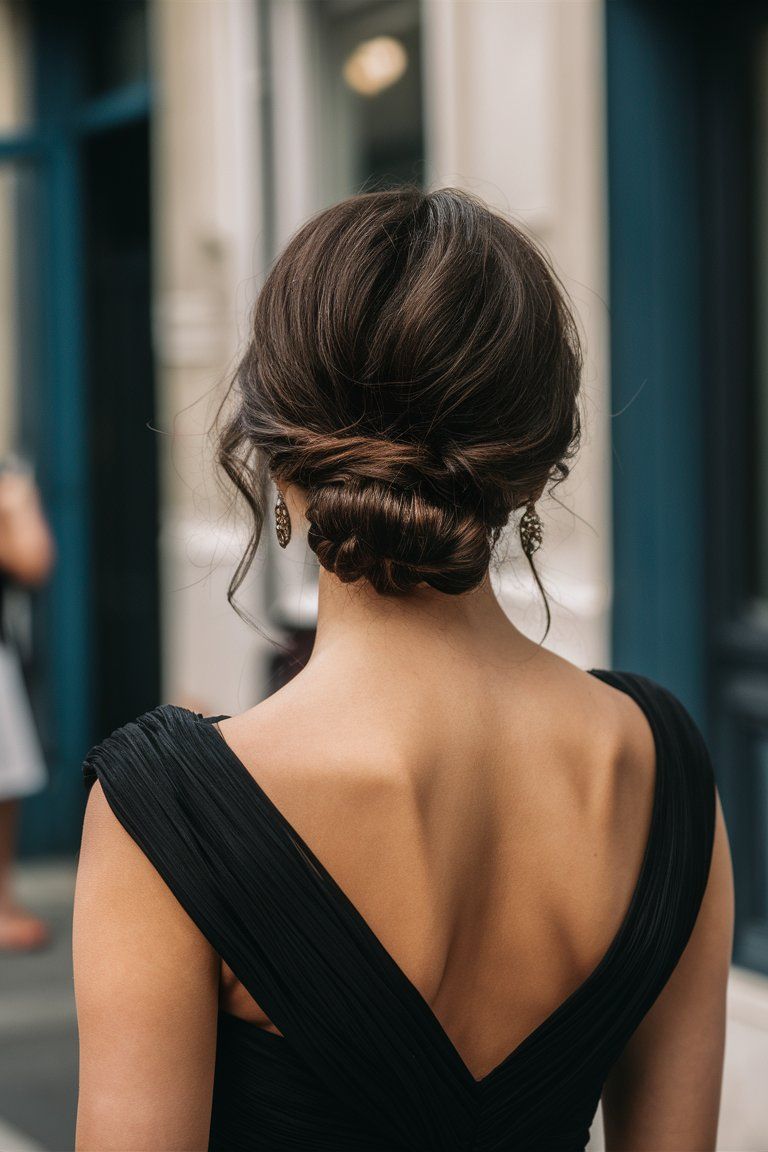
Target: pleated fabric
(363, 1063)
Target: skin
(664, 1091)
(26, 544)
(27, 556)
(481, 774)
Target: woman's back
(486, 822)
(469, 988)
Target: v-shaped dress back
(362, 1062)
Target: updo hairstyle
(413, 365)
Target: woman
(444, 888)
(26, 557)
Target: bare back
(482, 825)
(470, 913)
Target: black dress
(362, 1062)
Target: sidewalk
(38, 1039)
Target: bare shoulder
(618, 734)
(324, 776)
(611, 707)
(307, 733)
(146, 990)
(117, 882)
(127, 829)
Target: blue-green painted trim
(68, 497)
(121, 106)
(100, 114)
(22, 146)
(655, 308)
(51, 819)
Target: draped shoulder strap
(694, 798)
(168, 777)
(679, 852)
(276, 917)
(179, 809)
(693, 795)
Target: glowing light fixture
(374, 65)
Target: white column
(207, 219)
(515, 112)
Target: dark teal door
(688, 186)
(87, 392)
(122, 443)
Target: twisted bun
(394, 513)
(415, 369)
(396, 538)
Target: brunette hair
(414, 366)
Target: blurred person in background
(26, 558)
(444, 889)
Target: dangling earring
(282, 521)
(530, 529)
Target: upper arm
(146, 990)
(26, 544)
(664, 1091)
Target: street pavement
(38, 1038)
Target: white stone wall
(744, 1112)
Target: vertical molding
(208, 224)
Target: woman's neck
(357, 622)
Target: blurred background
(154, 157)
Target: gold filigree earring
(282, 521)
(531, 534)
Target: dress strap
(223, 856)
(269, 910)
(679, 851)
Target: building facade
(154, 157)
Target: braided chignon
(395, 513)
(414, 368)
